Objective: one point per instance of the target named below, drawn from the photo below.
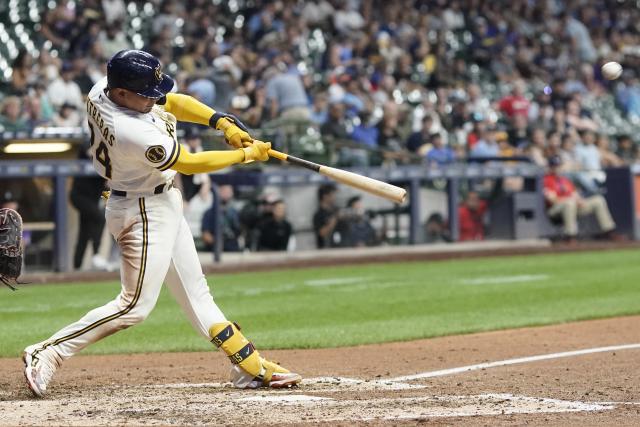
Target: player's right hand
(257, 151)
(235, 132)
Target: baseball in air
(611, 70)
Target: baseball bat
(364, 183)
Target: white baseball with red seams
(611, 70)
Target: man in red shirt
(563, 201)
(471, 217)
(515, 104)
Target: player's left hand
(257, 151)
(235, 132)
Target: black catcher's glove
(10, 247)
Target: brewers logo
(158, 72)
(156, 153)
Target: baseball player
(132, 120)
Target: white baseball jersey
(132, 150)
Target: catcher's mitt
(10, 246)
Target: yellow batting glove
(234, 134)
(257, 151)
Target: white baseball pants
(156, 246)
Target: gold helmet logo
(158, 73)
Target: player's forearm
(188, 109)
(207, 161)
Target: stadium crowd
(428, 81)
(386, 85)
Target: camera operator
(354, 226)
(326, 217)
(275, 231)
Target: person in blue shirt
(439, 154)
(486, 146)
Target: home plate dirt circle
(584, 373)
(338, 401)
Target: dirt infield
(387, 384)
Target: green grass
(364, 304)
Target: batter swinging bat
(370, 185)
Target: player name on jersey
(93, 111)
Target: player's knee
(136, 315)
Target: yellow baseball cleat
(249, 369)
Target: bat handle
(278, 155)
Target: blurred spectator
(471, 217)
(11, 119)
(537, 149)
(57, 25)
(590, 176)
(48, 67)
(319, 111)
(564, 203)
(34, 112)
(81, 74)
(85, 196)
(204, 90)
(112, 40)
(554, 143)
(8, 201)
(335, 126)
(253, 213)
(628, 94)
(363, 133)
(64, 90)
(354, 227)
(608, 158)
(114, 11)
(515, 104)
(568, 153)
(478, 105)
(389, 138)
(578, 118)
(286, 95)
(417, 142)
(627, 150)
(478, 128)
(194, 59)
(519, 132)
(86, 42)
(506, 149)
(436, 229)
(580, 37)
(316, 12)
(486, 146)
(275, 231)
(191, 184)
(45, 111)
(326, 217)
(21, 73)
(67, 116)
(439, 154)
(230, 223)
(166, 19)
(196, 188)
(346, 17)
